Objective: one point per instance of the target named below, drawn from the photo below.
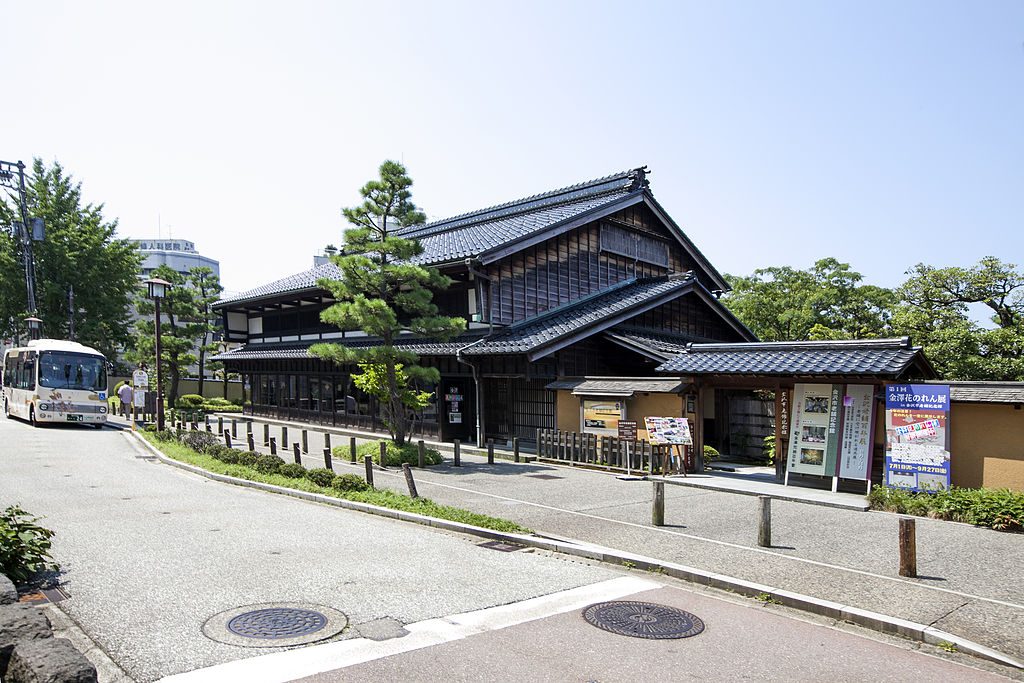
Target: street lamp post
(158, 289)
(12, 179)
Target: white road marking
(292, 664)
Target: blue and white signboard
(917, 436)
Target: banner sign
(668, 430)
(855, 443)
(917, 436)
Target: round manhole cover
(275, 625)
(643, 620)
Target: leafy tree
(826, 301)
(382, 293)
(182, 326)
(81, 250)
(207, 290)
(935, 309)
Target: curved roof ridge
(883, 343)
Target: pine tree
(381, 293)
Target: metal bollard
(248, 426)
(206, 421)
(658, 511)
(764, 526)
(234, 428)
(908, 547)
(305, 441)
(369, 471)
(458, 453)
(252, 442)
(515, 448)
(227, 438)
(266, 435)
(273, 446)
(490, 451)
(328, 462)
(220, 425)
(284, 437)
(327, 440)
(352, 449)
(298, 455)
(423, 455)
(409, 481)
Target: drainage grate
(544, 476)
(277, 622)
(643, 620)
(503, 547)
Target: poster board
(856, 438)
(917, 436)
(668, 430)
(814, 429)
(601, 416)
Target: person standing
(125, 394)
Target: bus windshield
(66, 370)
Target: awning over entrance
(618, 386)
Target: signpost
(627, 434)
(140, 385)
(671, 431)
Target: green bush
(224, 454)
(24, 546)
(768, 448)
(219, 408)
(395, 456)
(247, 458)
(268, 464)
(189, 401)
(349, 482)
(217, 401)
(1000, 509)
(165, 435)
(320, 476)
(293, 470)
(710, 453)
(199, 440)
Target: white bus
(55, 381)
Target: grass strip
(380, 497)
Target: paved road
(970, 578)
(150, 553)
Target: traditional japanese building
(560, 289)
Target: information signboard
(814, 435)
(140, 379)
(668, 430)
(856, 438)
(602, 416)
(627, 430)
(917, 436)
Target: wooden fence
(605, 452)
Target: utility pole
(25, 230)
(71, 312)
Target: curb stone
(866, 618)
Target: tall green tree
(381, 293)
(181, 329)
(826, 301)
(938, 306)
(207, 288)
(81, 250)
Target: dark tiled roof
(476, 233)
(580, 316)
(423, 347)
(656, 343)
(624, 386)
(878, 357)
(984, 392)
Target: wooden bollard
(206, 421)
(490, 451)
(305, 441)
(284, 437)
(227, 438)
(328, 461)
(658, 510)
(298, 455)
(273, 446)
(248, 426)
(458, 453)
(252, 442)
(383, 453)
(352, 449)
(764, 524)
(327, 440)
(234, 428)
(266, 434)
(515, 448)
(220, 425)
(421, 447)
(409, 481)
(368, 461)
(908, 547)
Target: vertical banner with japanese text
(917, 436)
(856, 441)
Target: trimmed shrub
(320, 476)
(190, 401)
(395, 456)
(268, 464)
(219, 408)
(349, 482)
(225, 454)
(247, 458)
(217, 402)
(165, 435)
(293, 470)
(199, 441)
(710, 453)
(1000, 509)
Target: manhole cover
(282, 624)
(503, 547)
(643, 620)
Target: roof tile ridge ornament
(624, 181)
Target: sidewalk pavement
(970, 578)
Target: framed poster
(814, 429)
(668, 430)
(856, 438)
(601, 416)
(917, 436)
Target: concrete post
(352, 449)
(369, 471)
(305, 441)
(251, 442)
(409, 481)
(658, 511)
(421, 447)
(383, 453)
(266, 434)
(328, 461)
(490, 451)
(227, 438)
(273, 446)
(234, 427)
(515, 448)
(284, 437)
(458, 453)
(298, 455)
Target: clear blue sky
(881, 133)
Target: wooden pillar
(783, 413)
(698, 428)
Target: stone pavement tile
(990, 625)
